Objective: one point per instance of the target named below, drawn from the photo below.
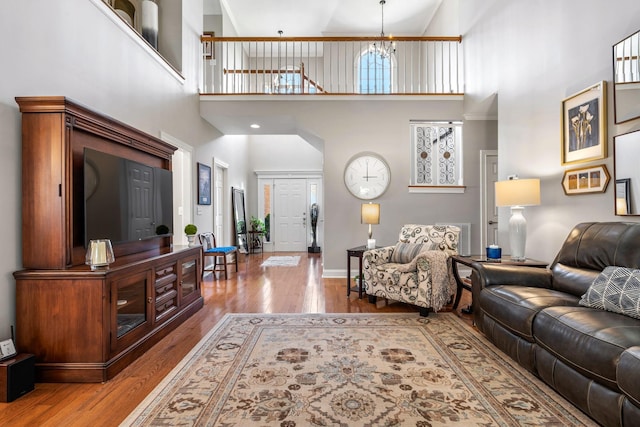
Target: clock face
(367, 176)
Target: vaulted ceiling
(298, 18)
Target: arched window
(375, 72)
(288, 80)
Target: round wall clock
(367, 176)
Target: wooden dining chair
(210, 249)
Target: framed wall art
(592, 179)
(204, 184)
(584, 125)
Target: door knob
(493, 222)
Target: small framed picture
(7, 349)
(592, 179)
(204, 184)
(208, 46)
(584, 125)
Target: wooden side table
(357, 252)
(470, 259)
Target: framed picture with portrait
(204, 184)
(592, 179)
(584, 125)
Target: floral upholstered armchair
(416, 270)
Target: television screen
(125, 200)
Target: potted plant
(257, 224)
(190, 230)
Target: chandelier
(384, 48)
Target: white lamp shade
(370, 213)
(518, 192)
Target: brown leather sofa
(589, 356)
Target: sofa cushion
(628, 373)
(405, 252)
(515, 307)
(616, 289)
(589, 340)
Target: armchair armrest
(371, 259)
(378, 256)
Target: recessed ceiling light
(255, 126)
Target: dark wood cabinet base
(69, 318)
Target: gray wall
(349, 127)
(533, 55)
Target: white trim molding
(289, 174)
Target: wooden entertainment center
(84, 325)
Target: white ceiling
(300, 18)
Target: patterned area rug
(281, 261)
(350, 370)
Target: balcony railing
(332, 65)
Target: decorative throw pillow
(405, 252)
(615, 289)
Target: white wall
(533, 55)
(72, 48)
(234, 151)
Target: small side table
(470, 259)
(255, 241)
(357, 252)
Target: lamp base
(517, 233)
(371, 244)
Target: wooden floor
(253, 289)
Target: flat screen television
(125, 200)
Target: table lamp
(99, 254)
(370, 214)
(517, 193)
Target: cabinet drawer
(164, 271)
(165, 304)
(168, 286)
(165, 280)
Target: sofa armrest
(490, 274)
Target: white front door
(489, 217)
(290, 214)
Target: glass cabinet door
(188, 279)
(130, 304)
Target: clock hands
(366, 175)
